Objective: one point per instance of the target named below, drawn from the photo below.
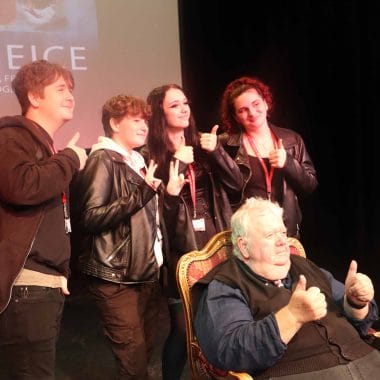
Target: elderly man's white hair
(244, 218)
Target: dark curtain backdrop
(321, 60)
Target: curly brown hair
(34, 77)
(121, 105)
(235, 89)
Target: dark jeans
(129, 314)
(29, 329)
(365, 368)
(174, 355)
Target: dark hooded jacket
(32, 182)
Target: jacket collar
(133, 159)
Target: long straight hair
(159, 144)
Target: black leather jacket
(225, 182)
(117, 211)
(298, 173)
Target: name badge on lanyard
(199, 224)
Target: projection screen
(111, 47)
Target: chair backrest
(191, 268)
(296, 247)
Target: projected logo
(63, 31)
(40, 14)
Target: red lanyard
(191, 177)
(268, 175)
(66, 213)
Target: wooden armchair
(192, 267)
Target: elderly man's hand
(307, 305)
(359, 287)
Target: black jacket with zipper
(224, 184)
(117, 212)
(298, 174)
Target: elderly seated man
(279, 316)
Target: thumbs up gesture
(81, 153)
(184, 153)
(307, 304)
(277, 156)
(209, 140)
(359, 287)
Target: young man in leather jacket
(121, 234)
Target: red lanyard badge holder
(198, 223)
(268, 174)
(66, 213)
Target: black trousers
(29, 329)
